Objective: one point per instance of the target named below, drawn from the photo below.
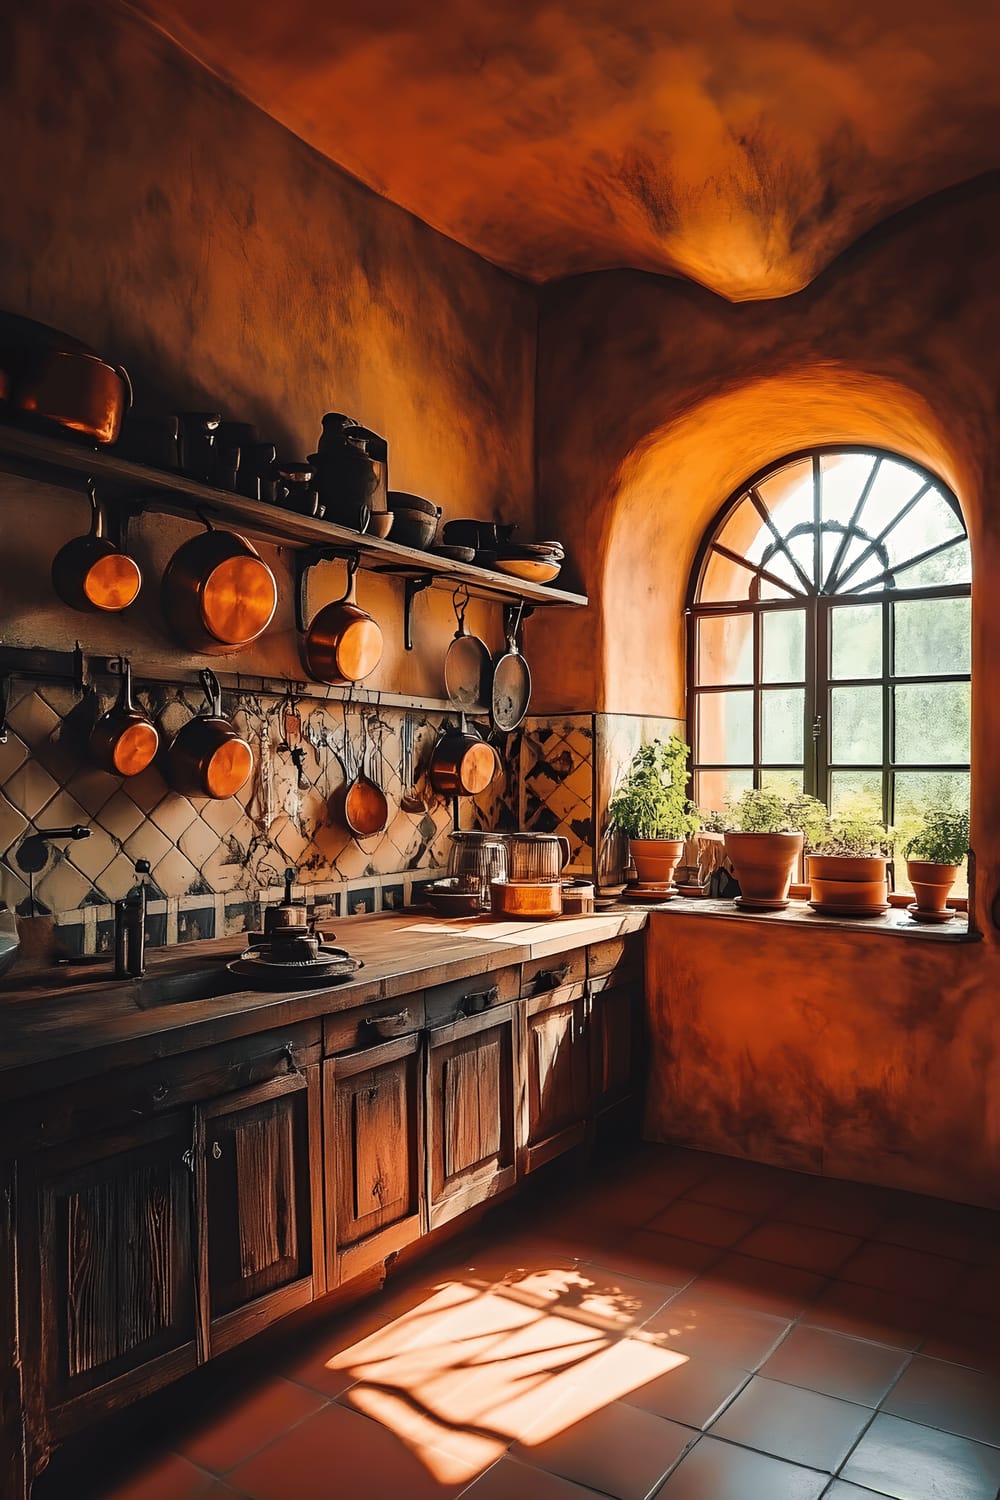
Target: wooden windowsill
(895, 923)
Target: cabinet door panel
(253, 1203)
(374, 1123)
(471, 1073)
(557, 1076)
(117, 1273)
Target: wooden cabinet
(260, 1242)
(113, 1285)
(471, 1069)
(373, 1154)
(555, 1074)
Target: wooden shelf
(54, 460)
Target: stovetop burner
(265, 969)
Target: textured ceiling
(742, 145)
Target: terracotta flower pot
(764, 863)
(849, 883)
(655, 860)
(931, 883)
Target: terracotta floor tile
(509, 1480)
(715, 1470)
(978, 1290)
(337, 1452)
(247, 1423)
(617, 1450)
(911, 1462)
(613, 1299)
(820, 1360)
(693, 1392)
(800, 1245)
(705, 1222)
(168, 1477)
(658, 1257)
(948, 1396)
(965, 1339)
(703, 1328)
(747, 1188)
(841, 1490)
(935, 1234)
(867, 1313)
(800, 1426)
(761, 1285)
(846, 1207)
(907, 1273)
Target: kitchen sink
(175, 989)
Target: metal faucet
(130, 928)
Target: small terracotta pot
(763, 863)
(853, 881)
(931, 883)
(655, 860)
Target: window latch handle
(817, 728)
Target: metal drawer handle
(288, 1053)
(216, 1151)
(399, 1019)
(471, 1005)
(551, 979)
(160, 1093)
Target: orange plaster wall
(157, 215)
(843, 1053)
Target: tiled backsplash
(213, 863)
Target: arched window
(830, 642)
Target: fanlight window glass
(831, 639)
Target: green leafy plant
(860, 837)
(761, 811)
(650, 802)
(943, 838)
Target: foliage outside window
(830, 641)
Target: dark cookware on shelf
(218, 593)
(208, 757)
(124, 740)
(484, 536)
(197, 434)
(462, 764)
(343, 643)
(90, 572)
(297, 489)
(352, 470)
(415, 520)
(511, 689)
(49, 375)
(468, 665)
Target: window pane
(932, 635)
(784, 648)
(787, 783)
(856, 641)
(725, 728)
(930, 522)
(856, 793)
(745, 533)
(778, 563)
(724, 580)
(781, 711)
(725, 649)
(917, 791)
(788, 495)
(713, 789)
(844, 477)
(932, 722)
(856, 725)
(952, 566)
(895, 484)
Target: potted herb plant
(934, 856)
(847, 867)
(764, 842)
(651, 809)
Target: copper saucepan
(90, 572)
(50, 375)
(218, 592)
(462, 764)
(124, 741)
(208, 757)
(343, 643)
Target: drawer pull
(288, 1053)
(551, 979)
(216, 1151)
(160, 1093)
(479, 1000)
(399, 1019)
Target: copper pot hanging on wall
(342, 644)
(49, 375)
(124, 740)
(91, 573)
(462, 764)
(218, 593)
(208, 757)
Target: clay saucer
(932, 917)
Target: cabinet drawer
(470, 996)
(621, 956)
(351, 1030)
(541, 975)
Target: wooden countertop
(75, 1026)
